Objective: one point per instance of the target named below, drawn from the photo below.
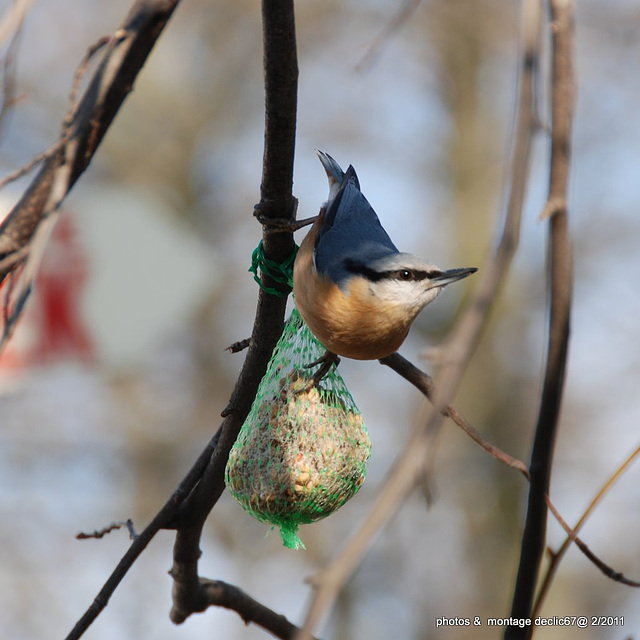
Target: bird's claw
(326, 361)
(280, 225)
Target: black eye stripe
(362, 270)
(405, 275)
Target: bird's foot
(326, 361)
(280, 225)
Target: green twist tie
(282, 273)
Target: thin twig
(29, 223)
(560, 282)
(424, 383)
(67, 121)
(27, 168)
(114, 526)
(557, 556)
(401, 17)
(9, 74)
(239, 346)
(162, 520)
(13, 18)
(606, 569)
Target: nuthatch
(357, 293)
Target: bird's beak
(451, 275)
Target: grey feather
(351, 229)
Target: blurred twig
(408, 467)
(65, 134)
(560, 282)
(424, 383)
(20, 265)
(465, 335)
(556, 556)
(25, 231)
(9, 66)
(402, 15)
(13, 18)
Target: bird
(357, 293)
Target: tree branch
(216, 593)
(277, 202)
(162, 520)
(424, 383)
(30, 221)
(616, 576)
(557, 556)
(110, 85)
(560, 274)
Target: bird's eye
(405, 274)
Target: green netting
(302, 451)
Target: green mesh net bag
(302, 452)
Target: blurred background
(116, 379)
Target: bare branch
(560, 266)
(163, 520)
(277, 202)
(30, 221)
(424, 383)
(402, 15)
(606, 569)
(9, 97)
(557, 556)
(114, 526)
(216, 593)
(13, 18)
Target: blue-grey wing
(350, 230)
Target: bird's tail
(335, 173)
(333, 169)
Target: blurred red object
(52, 327)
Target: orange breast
(355, 325)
